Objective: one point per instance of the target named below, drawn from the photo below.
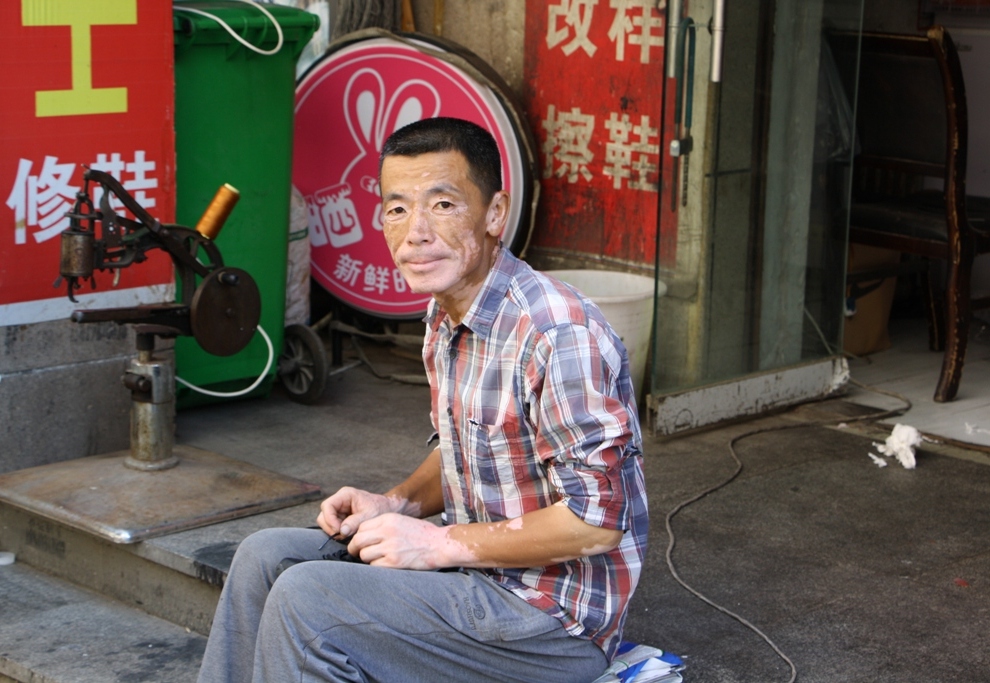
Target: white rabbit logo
(365, 105)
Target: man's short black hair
(445, 134)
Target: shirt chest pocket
(502, 455)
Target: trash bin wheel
(302, 367)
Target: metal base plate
(100, 495)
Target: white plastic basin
(626, 301)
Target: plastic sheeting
(297, 273)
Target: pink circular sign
(347, 104)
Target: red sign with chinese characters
(84, 83)
(595, 79)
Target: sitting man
(537, 476)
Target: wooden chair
(909, 173)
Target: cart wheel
(302, 367)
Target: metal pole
(673, 23)
(718, 38)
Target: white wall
(972, 38)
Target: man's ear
(498, 213)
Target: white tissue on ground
(973, 429)
(878, 461)
(901, 444)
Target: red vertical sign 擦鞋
(594, 94)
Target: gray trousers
(343, 621)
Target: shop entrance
(757, 186)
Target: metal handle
(718, 39)
(673, 22)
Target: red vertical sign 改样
(594, 96)
(84, 84)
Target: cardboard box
(866, 331)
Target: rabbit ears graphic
(372, 116)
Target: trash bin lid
(248, 20)
(367, 85)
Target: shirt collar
(481, 314)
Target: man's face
(440, 230)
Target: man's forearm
(421, 494)
(540, 538)
(537, 539)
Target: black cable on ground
(739, 468)
(417, 379)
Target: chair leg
(934, 309)
(957, 316)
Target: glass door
(753, 216)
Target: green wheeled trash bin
(233, 124)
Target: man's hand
(401, 542)
(537, 539)
(343, 512)
(401, 539)
(388, 530)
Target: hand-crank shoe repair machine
(221, 313)
(156, 487)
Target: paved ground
(857, 573)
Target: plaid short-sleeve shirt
(534, 405)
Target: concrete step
(75, 608)
(52, 631)
(177, 577)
